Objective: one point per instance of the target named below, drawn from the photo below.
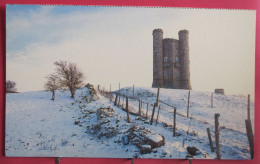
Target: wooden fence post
(123, 101)
(248, 108)
(151, 122)
(210, 140)
(146, 111)
(188, 106)
(116, 100)
(211, 100)
(127, 110)
(157, 99)
(217, 136)
(119, 95)
(139, 113)
(174, 123)
(157, 115)
(250, 137)
(118, 104)
(133, 91)
(183, 141)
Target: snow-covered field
(38, 126)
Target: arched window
(165, 60)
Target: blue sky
(26, 11)
(109, 43)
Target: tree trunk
(53, 95)
(72, 94)
(72, 91)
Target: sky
(114, 44)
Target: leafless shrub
(52, 84)
(70, 76)
(10, 86)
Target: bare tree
(10, 86)
(52, 84)
(70, 76)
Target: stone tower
(167, 63)
(157, 58)
(184, 59)
(171, 65)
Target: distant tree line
(67, 75)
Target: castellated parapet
(171, 63)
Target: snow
(200, 105)
(38, 126)
(155, 137)
(146, 146)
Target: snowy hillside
(92, 126)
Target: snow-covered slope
(38, 126)
(232, 109)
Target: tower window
(177, 60)
(165, 73)
(178, 74)
(165, 60)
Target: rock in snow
(144, 149)
(193, 150)
(142, 136)
(155, 140)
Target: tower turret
(157, 58)
(168, 58)
(184, 59)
